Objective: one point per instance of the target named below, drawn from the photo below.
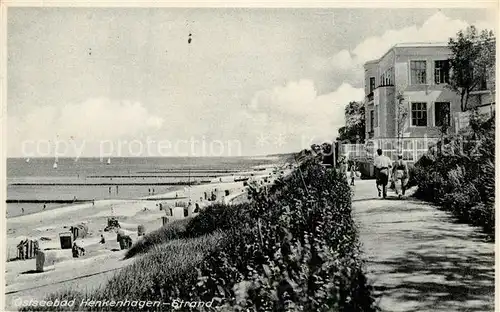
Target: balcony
(386, 85)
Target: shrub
(460, 174)
(412, 176)
(484, 215)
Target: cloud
(375, 47)
(437, 28)
(297, 113)
(92, 120)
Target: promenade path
(418, 258)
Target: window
(388, 77)
(442, 113)
(419, 114)
(372, 120)
(418, 71)
(372, 84)
(441, 71)
(382, 79)
(375, 118)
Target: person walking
(400, 175)
(382, 165)
(353, 171)
(74, 250)
(343, 165)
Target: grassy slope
(168, 262)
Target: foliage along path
(418, 258)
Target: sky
(127, 81)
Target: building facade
(414, 77)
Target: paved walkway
(419, 259)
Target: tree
(316, 149)
(323, 152)
(354, 130)
(328, 153)
(401, 119)
(472, 61)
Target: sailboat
(27, 160)
(109, 161)
(55, 163)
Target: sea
(35, 183)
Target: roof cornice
(409, 45)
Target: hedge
(459, 174)
(299, 252)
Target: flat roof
(410, 45)
(420, 44)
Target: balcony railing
(411, 148)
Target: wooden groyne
(149, 176)
(106, 184)
(164, 198)
(187, 170)
(46, 201)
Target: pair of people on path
(383, 166)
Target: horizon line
(189, 156)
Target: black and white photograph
(248, 156)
